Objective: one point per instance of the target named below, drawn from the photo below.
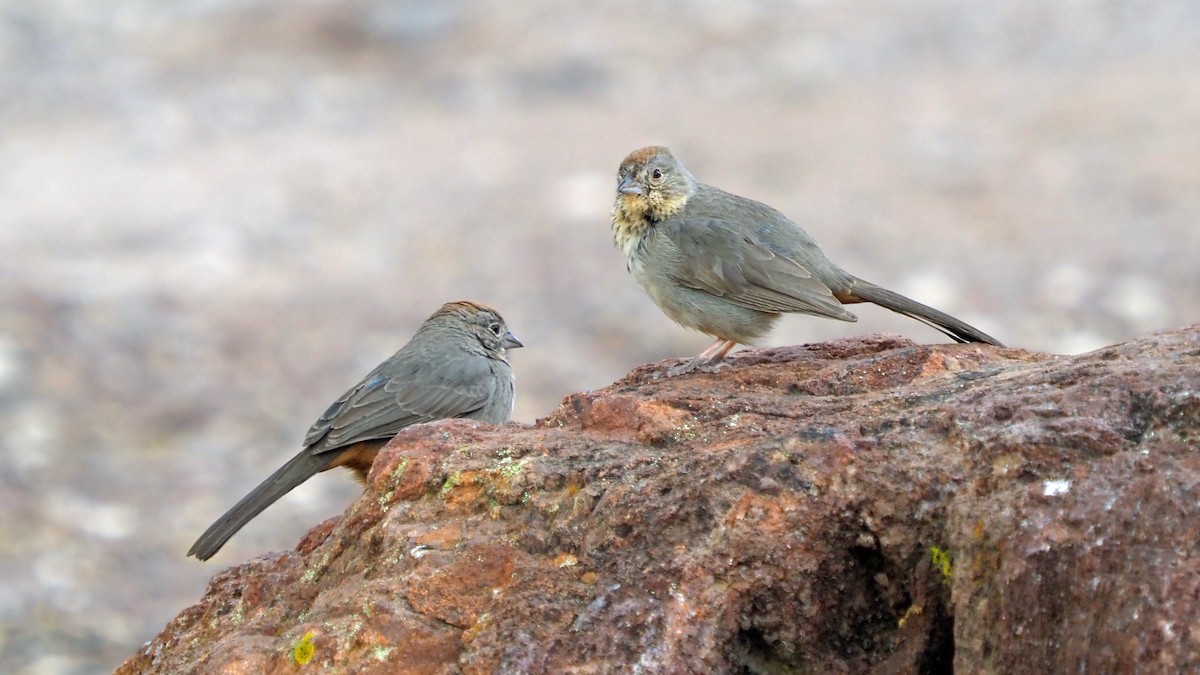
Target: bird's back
(768, 226)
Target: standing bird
(456, 365)
(728, 266)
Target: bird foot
(696, 365)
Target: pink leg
(712, 349)
(720, 354)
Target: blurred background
(217, 215)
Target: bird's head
(482, 323)
(652, 184)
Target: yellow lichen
(941, 561)
(384, 500)
(915, 610)
(304, 650)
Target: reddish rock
(866, 505)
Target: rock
(865, 505)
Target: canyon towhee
(728, 266)
(456, 365)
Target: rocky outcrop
(865, 505)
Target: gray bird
(728, 266)
(456, 365)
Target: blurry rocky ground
(215, 216)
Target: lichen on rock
(865, 505)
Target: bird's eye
(656, 174)
(495, 328)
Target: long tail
(298, 469)
(864, 291)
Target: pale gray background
(215, 216)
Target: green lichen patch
(452, 481)
(314, 573)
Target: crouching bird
(456, 365)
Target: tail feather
(299, 469)
(956, 330)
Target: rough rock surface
(864, 505)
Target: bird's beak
(511, 341)
(628, 187)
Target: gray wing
(717, 259)
(402, 391)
